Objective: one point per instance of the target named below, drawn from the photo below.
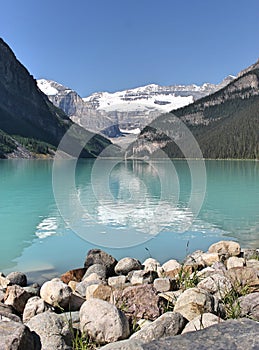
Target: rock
(16, 336)
(232, 334)
(206, 272)
(202, 321)
(130, 344)
(250, 254)
(90, 291)
(4, 282)
(171, 296)
(56, 293)
(52, 330)
(253, 263)
(216, 284)
(234, 261)
(103, 322)
(138, 301)
(162, 284)
(98, 269)
(142, 277)
(185, 270)
(34, 306)
(98, 256)
(151, 264)
(33, 290)
(75, 302)
(2, 294)
(73, 275)
(73, 285)
(194, 302)
(219, 267)
(169, 324)
(18, 278)
(171, 268)
(195, 260)
(16, 297)
(103, 292)
(225, 249)
(125, 265)
(210, 258)
(143, 323)
(219, 308)
(71, 318)
(83, 288)
(249, 306)
(117, 281)
(244, 277)
(92, 277)
(7, 314)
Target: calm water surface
(129, 208)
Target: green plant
(187, 279)
(231, 302)
(169, 306)
(80, 341)
(83, 342)
(135, 326)
(254, 257)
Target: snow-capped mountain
(125, 110)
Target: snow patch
(46, 87)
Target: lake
(50, 219)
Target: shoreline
(138, 300)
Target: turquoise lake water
(126, 208)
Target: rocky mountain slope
(124, 110)
(29, 123)
(225, 124)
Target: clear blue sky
(109, 45)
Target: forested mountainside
(29, 123)
(225, 124)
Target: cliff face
(225, 124)
(126, 110)
(26, 112)
(78, 110)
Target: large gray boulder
(169, 324)
(249, 306)
(99, 269)
(18, 278)
(103, 322)
(216, 284)
(33, 307)
(98, 256)
(53, 331)
(82, 287)
(233, 334)
(125, 265)
(7, 313)
(16, 336)
(56, 293)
